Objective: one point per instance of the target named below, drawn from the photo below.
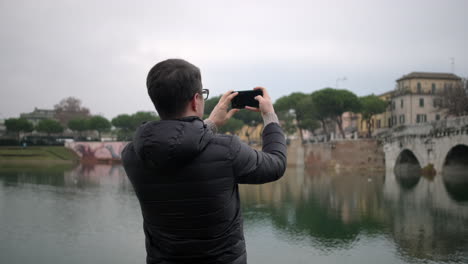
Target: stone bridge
(429, 145)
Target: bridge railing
(435, 128)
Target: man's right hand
(220, 114)
(265, 104)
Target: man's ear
(194, 102)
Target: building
(413, 101)
(416, 96)
(2, 127)
(378, 122)
(38, 115)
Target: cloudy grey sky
(101, 51)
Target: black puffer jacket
(186, 177)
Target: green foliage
(17, 125)
(210, 104)
(332, 103)
(298, 106)
(99, 123)
(139, 117)
(287, 122)
(309, 124)
(123, 121)
(248, 117)
(288, 102)
(232, 126)
(127, 124)
(371, 105)
(49, 126)
(79, 124)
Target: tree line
(125, 125)
(310, 111)
(320, 110)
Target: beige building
(413, 101)
(415, 97)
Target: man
(186, 176)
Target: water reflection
(331, 209)
(407, 170)
(315, 215)
(68, 214)
(335, 211)
(66, 175)
(455, 173)
(456, 182)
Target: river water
(89, 214)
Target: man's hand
(265, 104)
(220, 115)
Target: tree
(299, 107)
(287, 122)
(70, 108)
(79, 125)
(49, 126)
(139, 117)
(99, 123)
(332, 103)
(124, 125)
(210, 105)
(232, 126)
(453, 99)
(127, 124)
(18, 125)
(371, 105)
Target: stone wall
(346, 154)
(93, 152)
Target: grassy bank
(37, 154)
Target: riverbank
(37, 155)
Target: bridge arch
(457, 156)
(407, 169)
(407, 156)
(455, 173)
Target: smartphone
(246, 98)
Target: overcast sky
(101, 51)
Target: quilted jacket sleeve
(256, 167)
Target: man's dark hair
(171, 84)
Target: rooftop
(429, 75)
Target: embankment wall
(346, 154)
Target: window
(393, 105)
(421, 102)
(419, 87)
(389, 122)
(433, 88)
(437, 117)
(402, 119)
(394, 120)
(421, 118)
(378, 123)
(401, 103)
